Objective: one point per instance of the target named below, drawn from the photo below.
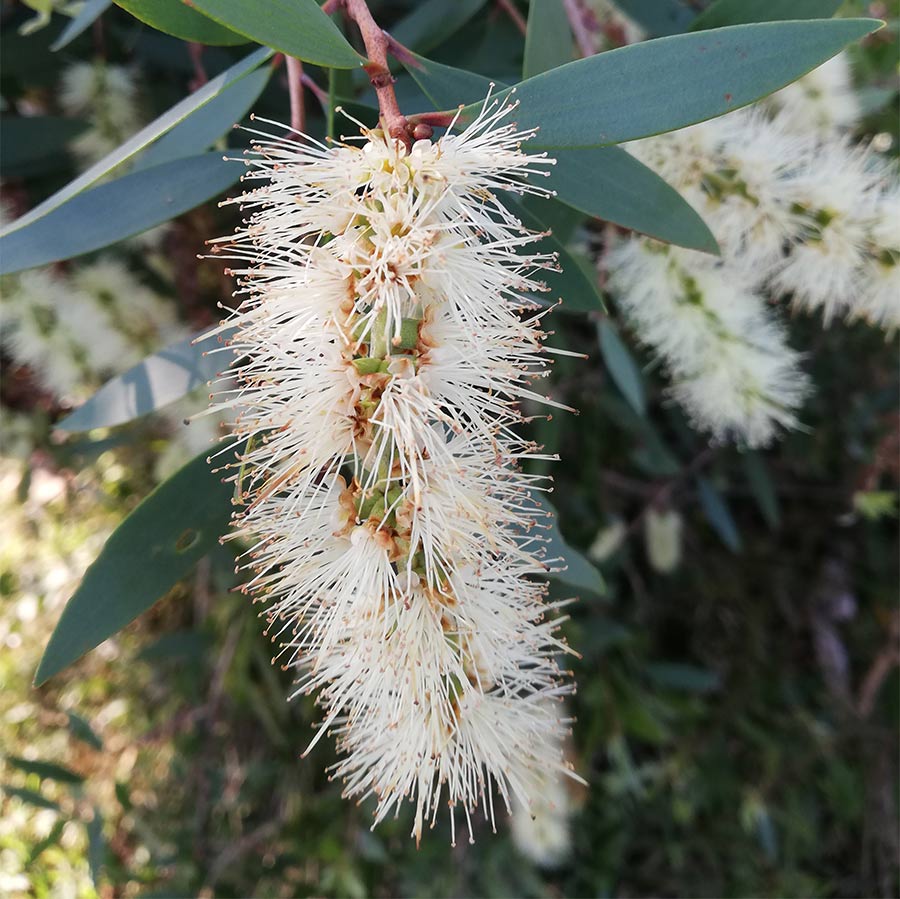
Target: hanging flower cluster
(799, 213)
(387, 339)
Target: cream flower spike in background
(388, 335)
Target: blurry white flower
(731, 367)
(608, 541)
(822, 101)
(107, 96)
(662, 538)
(388, 342)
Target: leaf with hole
(157, 545)
(295, 27)
(122, 208)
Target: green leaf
(718, 514)
(678, 676)
(548, 40)
(610, 184)
(761, 487)
(144, 137)
(658, 17)
(83, 731)
(31, 798)
(153, 383)
(198, 131)
(146, 555)
(122, 208)
(45, 770)
(578, 572)
(579, 291)
(605, 182)
(431, 22)
(740, 12)
(96, 846)
(177, 18)
(295, 27)
(622, 367)
(29, 144)
(672, 82)
(90, 12)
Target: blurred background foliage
(738, 701)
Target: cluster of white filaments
(387, 339)
(799, 213)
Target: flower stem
(377, 44)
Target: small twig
(295, 90)
(200, 77)
(314, 89)
(377, 44)
(584, 38)
(512, 11)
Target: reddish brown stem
(377, 44)
(295, 90)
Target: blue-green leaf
(622, 367)
(672, 82)
(577, 572)
(605, 182)
(295, 27)
(146, 555)
(96, 846)
(31, 797)
(678, 676)
(144, 137)
(548, 40)
(178, 19)
(83, 731)
(718, 514)
(153, 383)
(431, 22)
(30, 144)
(122, 208)
(45, 770)
(740, 12)
(198, 131)
(90, 12)
(761, 487)
(658, 17)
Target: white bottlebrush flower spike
(388, 340)
(800, 214)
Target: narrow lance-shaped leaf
(577, 571)
(90, 12)
(122, 208)
(146, 555)
(740, 12)
(144, 137)
(624, 370)
(548, 40)
(152, 384)
(432, 21)
(658, 17)
(718, 514)
(295, 27)
(605, 182)
(672, 82)
(761, 487)
(178, 19)
(198, 131)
